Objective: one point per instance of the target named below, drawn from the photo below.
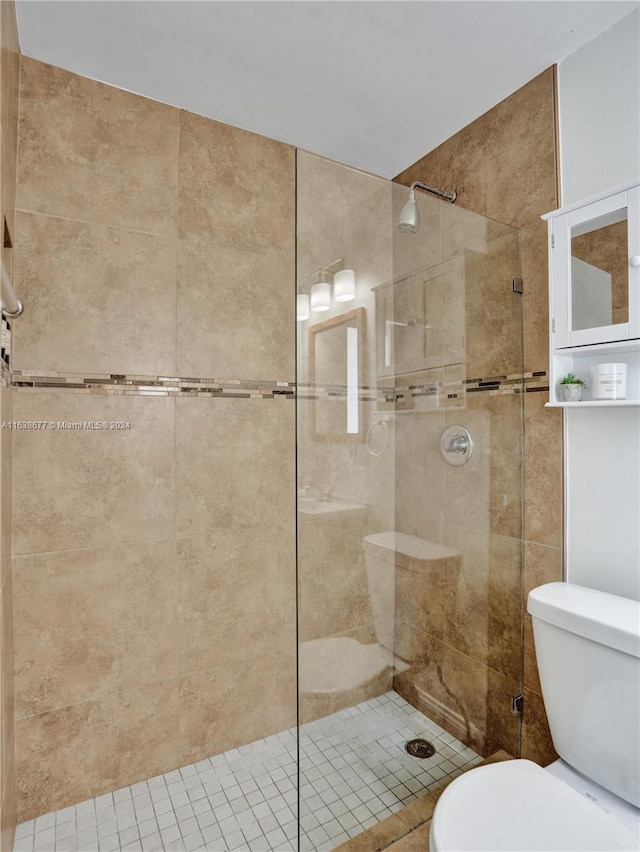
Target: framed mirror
(336, 366)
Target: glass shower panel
(456, 360)
(409, 568)
(344, 491)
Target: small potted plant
(571, 388)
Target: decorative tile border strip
(118, 384)
(457, 388)
(366, 393)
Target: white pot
(571, 393)
(609, 381)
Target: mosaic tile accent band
(494, 385)
(153, 385)
(250, 389)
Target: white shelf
(580, 359)
(595, 403)
(619, 346)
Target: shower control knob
(456, 445)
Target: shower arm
(441, 193)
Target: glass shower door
(409, 561)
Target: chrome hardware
(317, 492)
(378, 437)
(517, 704)
(456, 445)
(12, 314)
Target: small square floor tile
(352, 773)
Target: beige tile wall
(503, 165)
(154, 566)
(9, 75)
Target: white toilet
(588, 650)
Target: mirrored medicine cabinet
(594, 289)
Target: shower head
(409, 220)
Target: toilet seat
(516, 806)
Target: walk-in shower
(269, 664)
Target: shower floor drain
(420, 748)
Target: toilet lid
(516, 806)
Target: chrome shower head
(409, 220)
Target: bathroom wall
(503, 165)
(603, 538)
(154, 563)
(9, 74)
(600, 149)
(600, 112)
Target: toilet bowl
(588, 651)
(516, 806)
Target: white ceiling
(375, 85)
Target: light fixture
(344, 285)
(321, 296)
(302, 307)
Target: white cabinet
(594, 290)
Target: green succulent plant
(571, 379)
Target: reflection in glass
(599, 291)
(335, 352)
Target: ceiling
(375, 85)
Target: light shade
(321, 297)
(344, 285)
(302, 307)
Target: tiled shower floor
(354, 772)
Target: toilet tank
(588, 650)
